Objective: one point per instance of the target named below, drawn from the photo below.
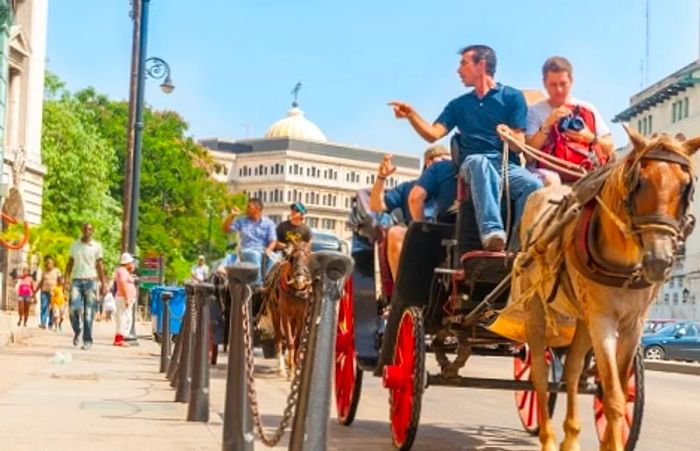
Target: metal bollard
(184, 374)
(198, 408)
(238, 422)
(165, 331)
(310, 425)
(174, 370)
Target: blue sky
(234, 62)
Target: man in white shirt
(200, 271)
(544, 118)
(83, 269)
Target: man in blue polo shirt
(397, 198)
(257, 236)
(478, 115)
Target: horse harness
(585, 257)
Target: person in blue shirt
(397, 198)
(479, 115)
(256, 235)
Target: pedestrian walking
(25, 293)
(58, 303)
(110, 304)
(83, 269)
(125, 298)
(48, 280)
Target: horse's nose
(657, 269)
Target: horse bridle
(677, 228)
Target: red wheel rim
(402, 393)
(345, 365)
(526, 400)
(601, 422)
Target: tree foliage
(84, 149)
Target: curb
(672, 367)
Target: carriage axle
(585, 388)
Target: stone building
(295, 162)
(23, 27)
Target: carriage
(447, 294)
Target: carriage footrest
(501, 384)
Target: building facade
(294, 162)
(672, 106)
(22, 67)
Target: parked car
(327, 241)
(656, 324)
(676, 341)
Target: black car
(678, 341)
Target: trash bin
(177, 308)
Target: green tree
(79, 161)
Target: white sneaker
(494, 241)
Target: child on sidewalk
(25, 292)
(58, 301)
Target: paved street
(111, 399)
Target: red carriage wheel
(634, 409)
(405, 378)
(348, 374)
(526, 400)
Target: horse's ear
(692, 145)
(638, 141)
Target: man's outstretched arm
(427, 131)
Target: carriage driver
(256, 235)
(294, 230)
(477, 114)
(397, 198)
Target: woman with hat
(125, 297)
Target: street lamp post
(155, 68)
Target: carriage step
(502, 384)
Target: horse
(288, 291)
(602, 272)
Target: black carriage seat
(365, 224)
(479, 266)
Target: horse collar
(593, 268)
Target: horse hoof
(569, 446)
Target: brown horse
(603, 271)
(289, 285)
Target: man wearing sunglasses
(294, 230)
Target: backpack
(587, 157)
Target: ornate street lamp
(155, 68)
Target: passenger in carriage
(478, 115)
(397, 198)
(257, 236)
(565, 127)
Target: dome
(295, 125)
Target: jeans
(257, 257)
(82, 301)
(482, 175)
(45, 316)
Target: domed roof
(295, 125)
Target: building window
(675, 298)
(686, 105)
(666, 298)
(289, 196)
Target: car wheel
(655, 353)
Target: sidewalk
(106, 398)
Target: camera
(574, 122)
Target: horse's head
(659, 177)
(299, 276)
